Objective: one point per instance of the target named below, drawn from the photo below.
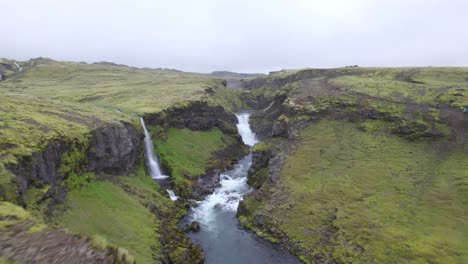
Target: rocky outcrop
(196, 115)
(278, 81)
(263, 121)
(40, 168)
(206, 184)
(259, 170)
(112, 148)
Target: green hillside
(357, 165)
(371, 165)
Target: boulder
(194, 226)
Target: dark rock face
(259, 170)
(206, 184)
(3, 68)
(195, 116)
(113, 149)
(263, 121)
(40, 167)
(255, 83)
(275, 167)
(242, 209)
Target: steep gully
(220, 236)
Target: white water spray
(153, 162)
(19, 67)
(151, 158)
(172, 195)
(233, 183)
(246, 133)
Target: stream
(221, 238)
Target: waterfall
(19, 67)
(151, 158)
(153, 163)
(233, 183)
(172, 195)
(246, 133)
(220, 237)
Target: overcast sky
(238, 35)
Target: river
(221, 238)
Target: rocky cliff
(111, 148)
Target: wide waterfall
(245, 131)
(221, 239)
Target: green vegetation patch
(368, 197)
(104, 209)
(11, 214)
(188, 154)
(420, 85)
(143, 188)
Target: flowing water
(152, 163)
(220, 236)
(151, 158)
(19, 67)
(172, 195)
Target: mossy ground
(421, 85)
(106, 210)
(110, 86)
(188, 154)
(11, 214)
(367, 197)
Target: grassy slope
(119, 212)
(131, 90)
(189, 154)
(371, 198)
(18, 225)
(421, 85)
(65, 100)
(11, 214)
(355, 193)
(106, 210)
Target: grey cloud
(248, 36)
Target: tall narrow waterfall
(151, 158)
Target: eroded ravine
(220, 236)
